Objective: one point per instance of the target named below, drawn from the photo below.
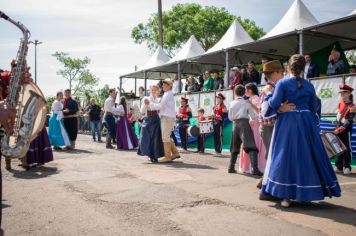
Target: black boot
(232, 163)
(254, 163)
(108, 142)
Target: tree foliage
(75, 71)
(207, 24)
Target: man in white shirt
(110, 112)
(240, 112)
(168, 117)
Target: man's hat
(235, 68)
(272, 66)
(168, 81)
(220, 95)
(184, 99)
(345, 88)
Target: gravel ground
(94, 191)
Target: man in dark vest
(70, 110)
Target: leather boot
(259, 183)
(108, 142)
(174, 150)
(7, 163)
(254, 163)
(232, 163)
(167, 153)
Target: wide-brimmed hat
(345, 88)
(168, 81)
(272, 66)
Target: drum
(333, 145)
(206, 127)
(193, 131)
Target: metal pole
(179, 79)
(135, 86)
(120, 86)
(160, 23)
(36, 43)
(227, 69)
(145, 79)
(301, 43)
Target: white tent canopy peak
(297, 17)
(158, 58)
(234, 36)
(191, 48)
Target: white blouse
(154, 102)
(57, 108)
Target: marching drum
(333, 145)
(193, 131)
(206, 127)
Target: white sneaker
(285, 203)
(337, 170)
(347, 171)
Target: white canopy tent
(297, 17)
(158, 58)
(234, 36)
(352, 13)
(191, 48)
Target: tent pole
(145, 78)
(226, 68)
(179, 79)
(120, 87)
(301, 42)
(135, 86)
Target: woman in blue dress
(57, 133)
(298, 167)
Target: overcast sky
(101, 30)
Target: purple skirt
(40, 150)
(125, 134)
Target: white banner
(177, 102)
(229, 96)
(207, 102)
(351, 81)
(193, 103)
(328, 91)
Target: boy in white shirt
(240, 112)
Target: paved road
(94, 191)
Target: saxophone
(28, 100)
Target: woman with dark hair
(245, 163)
(298, 167)
(344, 121)
(125, 135)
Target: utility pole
(160, 23)
(36, 43)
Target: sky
(101, 30)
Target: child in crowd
(240, 113)
(220, 112)
(201, 137)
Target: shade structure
(234, 36)
(316, 37)
(191, 48)
(297, 17)
(352, 13)
(158, 58)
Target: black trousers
(218, 126)
(183, 136)
(201, 139)
(344, 160)
(71, 125)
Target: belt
(242, 119)
(70, 116)
(152, 113)
(298, 111)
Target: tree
(75, 71)
(207, 24)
